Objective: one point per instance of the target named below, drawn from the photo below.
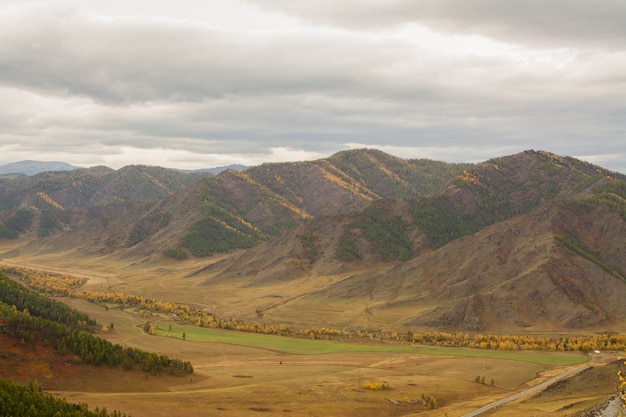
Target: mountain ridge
(402, 243)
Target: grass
(542, 358)
(247, 373)
(317, 347)
(298, 377)
(271, 342)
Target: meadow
(245, 373)
(303, 346)
(242, 374)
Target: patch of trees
(434, 173)
(604, 342)
(375, 385)
(6, 233)
(24, 299)
(347, 249)
(143, 183)
(575, 246)
(148, 226)
(29, 400)
(52, 220)
(309, 247)
(613, 194)
(8, 201)
(179, 254)
(494, 197)
(18, 223)
(481, 380)
(44, 321)
(53, 181)
(219, 231)
(379, 172)
(48, 283)
(91, 349)
(387, 234)
(440, 221)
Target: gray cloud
(552, 23)
(192, 92)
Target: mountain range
(526, 242)
(36, 167)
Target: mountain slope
(530, 241)
(512, 276)
(233, 210)
(504, 247)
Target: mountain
(531, 241)
(215, 170)
(34, 167)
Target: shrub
(375, 385)
(176, 253)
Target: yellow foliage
(245, 177)
(469, 177)
(375, 385)
(45, 197)
(353, 188)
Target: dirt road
(531, 390)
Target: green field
(273, 342)
(316, 347)
(543, 358)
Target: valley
(235, 375)
(360, 243)
(238, 379)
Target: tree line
(605, 341)
(36, 319)
(201, 318)
(29, 401)
(18, 223)
(25, 299)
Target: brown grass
(278, 384)
(305, 385)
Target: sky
(194, 84)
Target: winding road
(531, 390)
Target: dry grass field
(238, 380)
(235, 380)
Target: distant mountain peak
(30, 167)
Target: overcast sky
(195, 84)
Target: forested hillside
(409, 242)
(22, 400)
(36, 319)
(200, 214)
(527, 241)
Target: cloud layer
(247, 82)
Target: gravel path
(531, 390)
(608, 409)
